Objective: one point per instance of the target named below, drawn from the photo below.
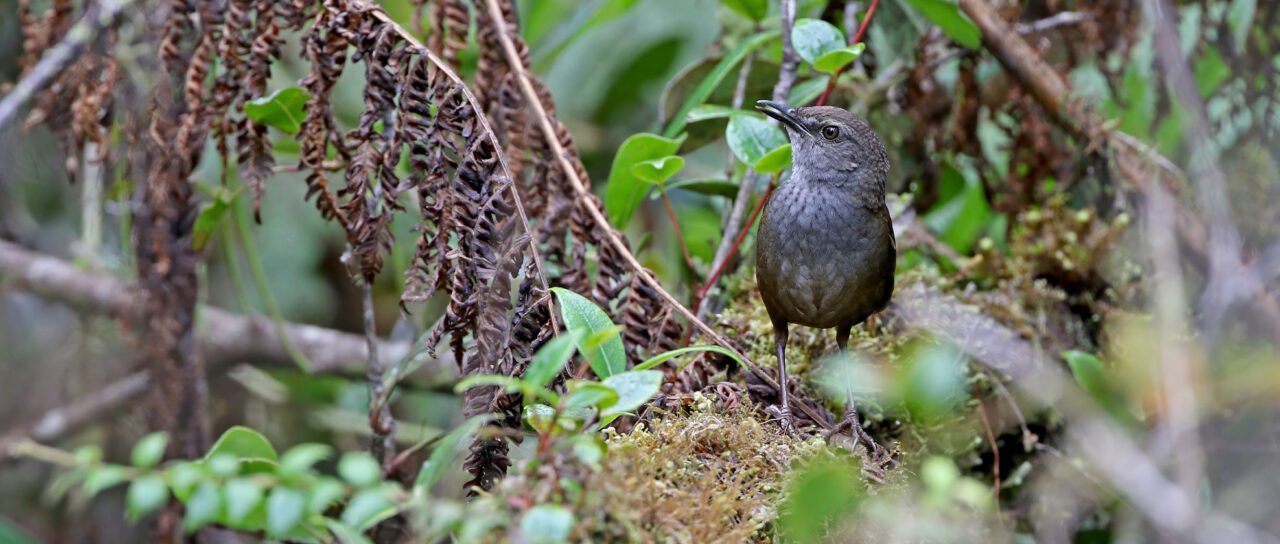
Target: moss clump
(708, 475)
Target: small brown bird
(825, 254)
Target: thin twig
(862, 29)
(62, 420)
(59, 57)
(383, 444)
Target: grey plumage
(825, 252)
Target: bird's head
(831, 144)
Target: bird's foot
(875, 457)
(785, 419)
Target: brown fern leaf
(491, 67)
(370, 206)
(452, 23)
(327, 52)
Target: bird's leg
(782, 412)
(876, 454)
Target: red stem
(862, 29)
(671, 214)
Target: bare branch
(58, 422)
(223, 336)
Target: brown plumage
(825, 253)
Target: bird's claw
(875, 457)
(783, 415)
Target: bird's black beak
(783, 113)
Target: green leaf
(345, 534)
(242, 443)
(242, 495)
(446, 451)
(281, 109)
(756, 10)
(832, 61)
(183, 478)
(587, 394)
(820, 494)
(932, 383)
(203, 507)
(709, 187)
(961, 219)
(146, 495)
(285, 507)
(1091, 374)
(148, 451)
(508, 383)
(713, 80)
(663, 357)
(590, 448)
(324, 493)
(366, 509)
(539, 417)
(947, 16)
(302, 457)
(634, 389)
(550, 360)
(658, 171)
(774, 161)
(814, 38)
(583, 318)
(751, 137)
(211, 217)
(360, 469)
(103, 478)
(1210, 71)
(625, 191)
(707, 112)
(546, 524)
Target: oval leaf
(203, 507)
(242, 496)
(146, 495)
(832, 61)
(148, 451)
(775, 161)
(366, 509)
(285, 507)
(282, 109)
(634, 389)
(751, 137)
(625, 191)
(539, 417)
(242, 443)
(300, 458)
(586, 394)
(813, 38)
(947, 16)
(550, 360)
(546, 524)
(582, 317)
(360, 469)
(658, 171)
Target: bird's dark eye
(830, 132)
